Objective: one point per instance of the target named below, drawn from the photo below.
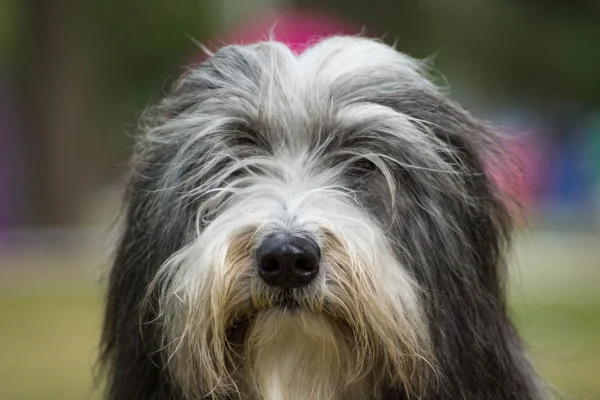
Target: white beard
(299, 355)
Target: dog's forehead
(272, 80)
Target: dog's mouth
(287, 302)
(292, 299)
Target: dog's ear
(128, 340)
(462, 269)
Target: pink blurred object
(297, 29)
(521, 177)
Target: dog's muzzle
(288, 261)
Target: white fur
(211, 283)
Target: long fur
(348, 144)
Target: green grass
(564, 339)
(48, 343)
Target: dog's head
(316, 225)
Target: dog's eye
(243, 136)
(361, 167)
(366, 165)
(243, 139)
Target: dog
(309, 227)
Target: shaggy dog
(312, 227)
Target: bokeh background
(75, 76)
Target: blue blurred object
(593, 150)
(570, 178)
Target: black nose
(288, 261)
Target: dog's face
(324, 225)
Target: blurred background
(75, 76)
